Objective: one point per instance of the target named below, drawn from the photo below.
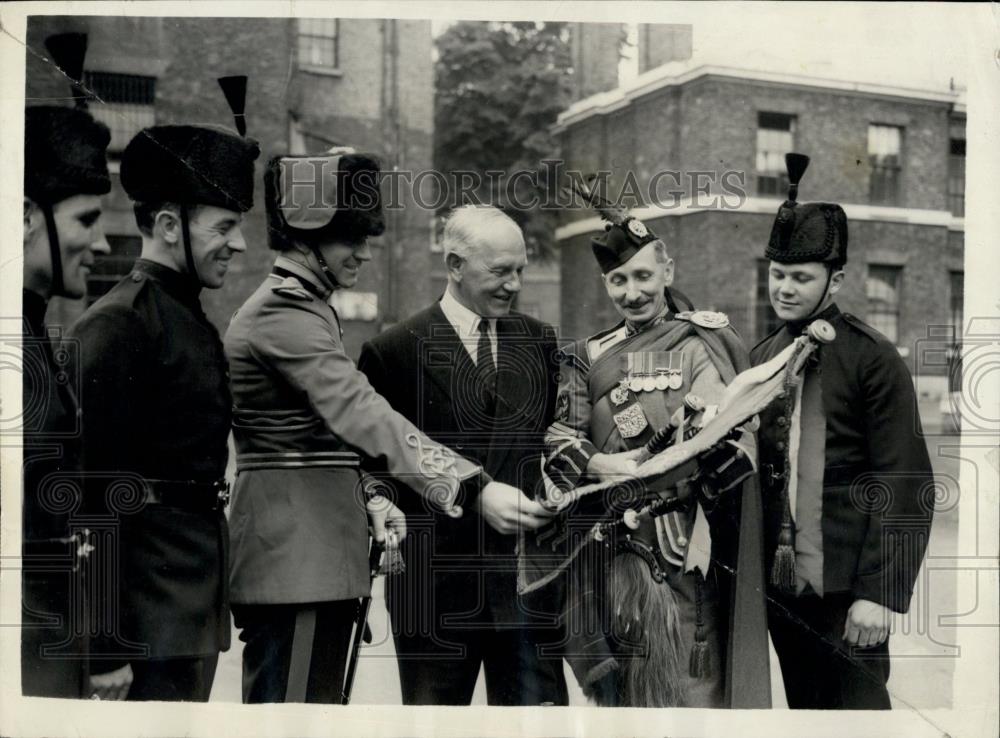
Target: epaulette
(601, 342)
(864, 328)
(704, 318)
(292, 288)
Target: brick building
(313, 83)
(893, 156)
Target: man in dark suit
(480, 379)
(847, 482)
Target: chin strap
(188, 253)
(58, 285)
(325, 267)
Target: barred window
(882, 289)
(317, 42)
(956, 176)
(126, 105)
(775, 138)
(885, 144)
(765, 319)
(110, 268)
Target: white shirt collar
(466, 324)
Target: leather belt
(187, 495)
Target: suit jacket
(422, 368)
(877, 499)
(303, 417)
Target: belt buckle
(223, 487)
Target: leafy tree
(498, 89)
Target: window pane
(882, 290)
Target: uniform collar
(175, 283)
(465, 322)
(631, 328)
(829, 314)
(315, 285)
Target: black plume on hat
(64, 148)
(235, 90)
(812, 232)
(624, 236)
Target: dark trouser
(173, 680)
(295, 653)
(443, 671)
(52, 651)
(819, 669)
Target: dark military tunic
(156, 398)
(53, 631)
(875, 504)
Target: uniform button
(682, 541)
(780, 445)
(782, 395)
(137, 277)
(781, 421)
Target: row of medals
(662, 380)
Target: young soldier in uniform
(157, 404)
(65, 174)
(303, 415)
(478, 377)
(633, 641)
(847, 516)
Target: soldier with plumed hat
(305, 419)
(65, 174)
(158, 411)
(653, 621)
(847, 482)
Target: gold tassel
(783, 569)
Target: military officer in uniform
(65, 174)
(304, 420)
(618, 388)
(157, 406)
(846, 519)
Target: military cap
(190, 165)
(64, 154)
(620, 242)
(815, 231)
(335, 193)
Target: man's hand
(867, 624)
(111, 686)
(508, 510)
(613, 467)
(388, 523)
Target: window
(885, 145)
(882, 289)
(765, 319)
(126, 107)
(775, 138)
(956, 169)
(110, 268)
(318, 42)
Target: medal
(662, 381)
(676, 380)
(648, 383)
(619, 395)
(635, 383)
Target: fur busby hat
(624, 236)
(312, 198)
(815, 231)
(194, 165)
(65, 148)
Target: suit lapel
(513, 386)
(443, 355)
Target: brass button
(682, 541)
(780, 445)
(782, 421)
(136, 277)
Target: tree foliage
(498, 89)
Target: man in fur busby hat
(837, 474)
(65, 174)
(651, 619)
(158, 410)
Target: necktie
(485, 368)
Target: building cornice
(769, 206)
(676, 75)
